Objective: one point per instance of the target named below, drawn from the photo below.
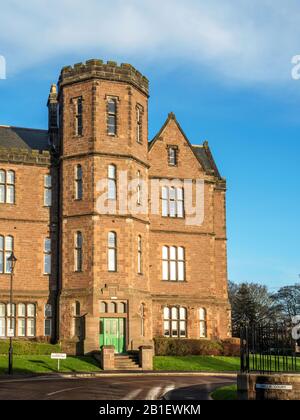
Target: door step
(127, 362)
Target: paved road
(112, 388)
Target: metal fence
(267, 349)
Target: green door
(112, 333)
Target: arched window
(139, 255)
(122, 308)
(175, 319)
(112, 182)
(138, 189)
(78, 182)
(112, 308)
(78, 251)
(142, 313)
(203, 322)
(112, 251)
(103, 307)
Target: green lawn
(197, 363)
(43, 364)
(225, 393)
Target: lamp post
(12, 260)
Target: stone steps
(127, 362)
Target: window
(139, 189)
(112, 251)
(48, 320)
(139, 137)
(139, 255)
(112, 182)
(78, 252)
(47, 256)
(122, 308)
(112, 308)
(172, 155)
(6, 248)
(203, 323)
(47, 190)
(7, 187)
(172, 202)
(78, 182)
(23, 316)
(112, 117)
(175, 319)
(77, 320)
(78, 117)
(173, 263)
(142, 314)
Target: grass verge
(225, 394)
(197, 363)
(43, 364)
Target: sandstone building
(91, 268)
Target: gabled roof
(23, 138)
(202, 152)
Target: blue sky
(224, 68)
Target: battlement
(106, 71)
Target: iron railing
(268, 348)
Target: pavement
(115, 386)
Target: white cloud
(241, 40)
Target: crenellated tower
(104, 150)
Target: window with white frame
(175, 321)
(6, 249)
(139, 255)
(7, 187)
(173, 263)
(203, 322)
(47, 256)
(172, 202)
(112, 116)
(112, 182)
(79, 116)
(47, 190)
(78, 251)
(172, 155)
(112, 251)
(78, 182)
(139, 113)
(20, 320)
(48, 320)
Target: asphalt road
(113, 388)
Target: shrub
(24, 347)
(186, 347)
(231, 347)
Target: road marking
(132, 395)
(153, 393)
(63, 390)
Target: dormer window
(172, 155)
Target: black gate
(267, 349)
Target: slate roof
(23, 138)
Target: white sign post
(58, 357)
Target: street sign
(269, 386)
(58, 357)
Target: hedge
(23, 347)
(190, 347)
